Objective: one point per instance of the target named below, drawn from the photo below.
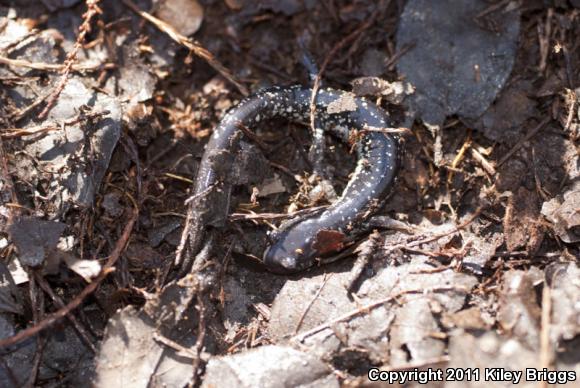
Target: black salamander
(294, 246)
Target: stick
(51, 319)
(191, 44)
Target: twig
(181, 350)
(385, 222)
(251, 135)
(492, 8)
(200, 340)
(394, 131)
(60, 303)
(194, 354)
(332, 53)
(49, 320)
(545, 332)
(459, 157)
(530, 134)
(183, 241)
(191, 44)
(36, 362)
(544, 33)
(178, 178)
(444, 234)
(273, 216)
(485, 164)
(392, 61)
(197, 196)
(7, 182)
(371, 306)
(11, 133)
(92, 11)
(307, 309)
(80, 67)
(283, 169)
(364, 253)
(572, 99)
(38, 310)
(21, 113)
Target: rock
(268, 367)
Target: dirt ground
(467, 277)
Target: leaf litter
(474, 257)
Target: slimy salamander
(295, 246)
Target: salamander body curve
(295, 245)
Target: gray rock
(269, 366)
(413, 331)
(489, 351)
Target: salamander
(295, 246)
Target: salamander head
(290, 252)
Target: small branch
(273, 216)
(368, 307)
(526, 138)
(8, 183)
(179, 349)
(21, 113)
(545, 354)
(92, 11)
(251, 135)
(200, 340)
(392, 61)
(309, 306)
(80, 67)
(51, 319)
(393, 131)
(437, 236)
(364, 252)
(332, 53)
(84, 337)
(191, 44)
(484, 163)
(12, 133)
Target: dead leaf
(564, 213)
(35, 239)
